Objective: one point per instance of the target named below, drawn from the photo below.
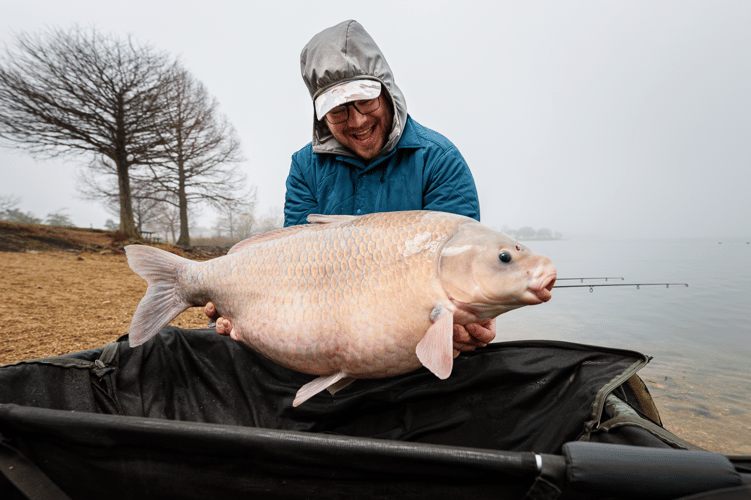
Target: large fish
(349, 297)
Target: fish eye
(505, 257)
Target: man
(367, 154)
(372, 157)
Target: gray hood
(341, 53)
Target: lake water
(700, 336)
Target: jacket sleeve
(300, 200)
(448, 185)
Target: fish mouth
(542, 287)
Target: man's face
(365, 135)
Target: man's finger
(209, 310)
(223, 326)
(461, 335)
(481, 333)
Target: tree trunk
(127, 222)
(184, 239)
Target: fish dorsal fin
(271, 235)
(436, 349)
(328, 219)
(336, 381)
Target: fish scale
(349, 297)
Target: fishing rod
(582, 279)
(591, 286)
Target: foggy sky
(620, 119)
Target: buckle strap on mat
(26, 477)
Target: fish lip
(542, 287)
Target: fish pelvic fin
(333, 382)
(161, 304)
(436, 349)
(333, 389)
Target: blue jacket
(424, 172)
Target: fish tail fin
(161, 304)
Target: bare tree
(8, 202)
(168, 221)
(9, 211)
(200, 152)
(15, 215)
(59, 218)
(238, 220)
(271, 220)
(80, 92)
(97, 182)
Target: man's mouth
(364, 134)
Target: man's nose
(355, 117)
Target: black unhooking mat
(191, 414)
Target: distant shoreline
(542, 239)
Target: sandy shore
(57, 303)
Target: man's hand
(470, 337)
(223, 325)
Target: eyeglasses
(340, 114)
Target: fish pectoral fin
(317, 385)
(436, 349)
